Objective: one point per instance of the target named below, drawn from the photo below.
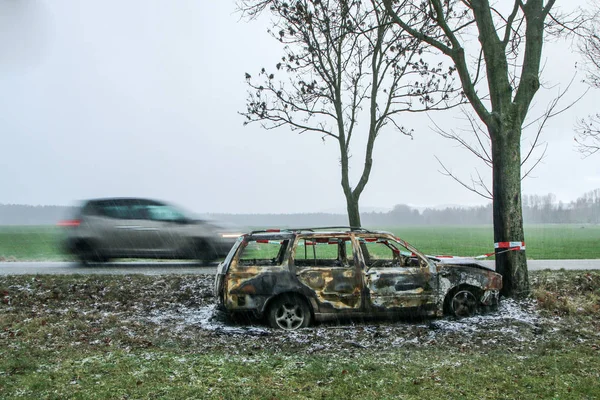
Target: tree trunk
(353, 211)
(507, 208)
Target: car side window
(257, 252)
(117, 211)
(322, 251)
(386, 252)
(380, 252)
(90, 209)
(349, 250)
(163, 213)
(138, 211)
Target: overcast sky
(141, 98)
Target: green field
(25, 243)
(575, 241)
(543, 242)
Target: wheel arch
(267, 304)
(88, 249)
(203, 247)
(478, 291)
(84, 243)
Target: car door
(394, 282)
(322, 264)
(116, 224)
(146, 231)
(172, 230)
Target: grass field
(31, 243)
(542, 241)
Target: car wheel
(87, 254)
(462, 303)
(289, 312)
(205, 252)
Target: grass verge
(546, 372)
(139, 337)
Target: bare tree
(343, 62)
(499, 74)
(534, 150)
(588, 129)
(588, 135)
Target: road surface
(160, 268)
(113, 268)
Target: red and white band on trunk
(504, 246)
(510, 245)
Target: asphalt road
(113, 268)
(161, 268)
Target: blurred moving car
(292, 277)
(108, 228)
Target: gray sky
(140, 98)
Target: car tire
(86, 253)
(289, 312)
(462, 302)
(204, 252)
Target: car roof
(333, 230)
(271, 235)
(123, 201)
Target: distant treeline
(545, 209)
(399, 215)
(536, 210)
(19, 214)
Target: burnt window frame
(341, 259)
(405, 260)
(279, 260)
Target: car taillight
(70, 222)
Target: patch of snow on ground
(513, 320)
(204, 317)
(509, 311)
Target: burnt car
(293, 277)
(103, 229)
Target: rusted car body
(295, 276)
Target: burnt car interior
(327, 251)
(317, 250)
(263, 252)
(322, 252)
(381, 253)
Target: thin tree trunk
(353, 211)
(507, 210)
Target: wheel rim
(464, 304)
(290, 316)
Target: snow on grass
(143, 312)
(206, 318)
(514, 320)
(509, 312)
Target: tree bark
(507, 205)
(352, 196)
(353, 211)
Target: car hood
(449, 262)
(221, 226)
